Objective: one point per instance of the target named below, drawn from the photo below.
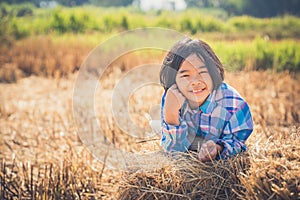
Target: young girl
(199, 111)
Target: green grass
(259, 54)
(241, 42)
(88, 19)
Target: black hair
(183, 49)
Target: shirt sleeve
(174, 138)
(236, 131)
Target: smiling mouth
(198, 91)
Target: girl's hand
(174, 98)
(208, 151)
(173, 102)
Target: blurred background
(44, 43)
(52, 38)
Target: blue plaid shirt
(224, 118)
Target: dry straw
(187, 178)
(41, 157)
(269, 170)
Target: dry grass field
(42, 156)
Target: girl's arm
(172, 103)
(237, 130)
(174, 128)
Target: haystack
(268, 170)
(186, 178)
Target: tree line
(256, 8)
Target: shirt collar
(209, 104)
(206, 105)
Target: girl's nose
(197, 80)
(196, 83)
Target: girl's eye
(203, 72)
(184, 76)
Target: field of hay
(42, 156)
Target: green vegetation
(25, 20)
(242, 42)
(259, 54)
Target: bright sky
(162, 4)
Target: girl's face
(194, 81)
